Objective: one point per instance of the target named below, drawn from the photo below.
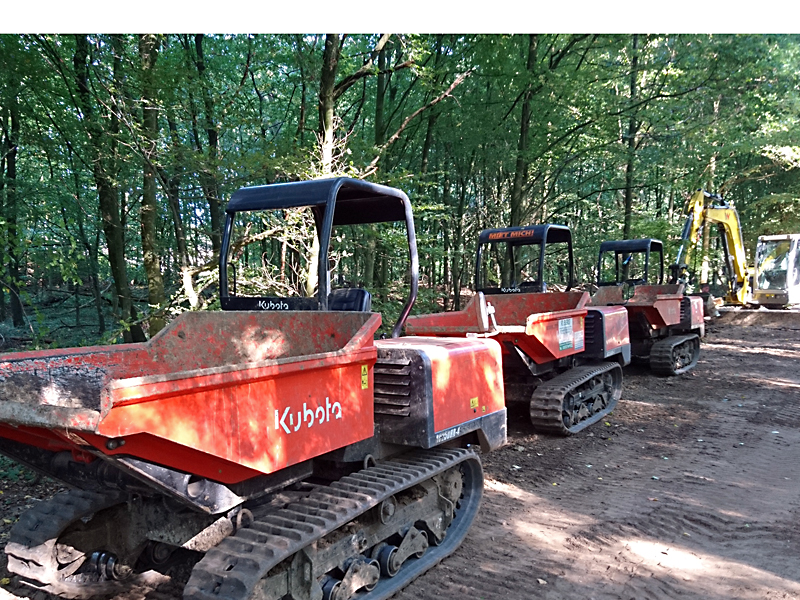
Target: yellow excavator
(712, 208)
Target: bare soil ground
(690, 489)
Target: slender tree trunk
(521, 168)
(458, 244)
(432, 116)
(327, 100)
(173, 195)
(3, 157)
(380, 100)
(301, 119)
(92, 247)
(208, 174)
(94, 265)
(671, 208)
(707, 227)
(104, 159)
(633, 128)
(148, 54)
(12, 209)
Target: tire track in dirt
(689, 494)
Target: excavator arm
(726, 218)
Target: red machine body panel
(696, 312)
(466, 376)
(287, 387)
(661, 304)
(546, 326)
(615, 319)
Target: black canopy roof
(356, 201)
(530, 234)
(642, 245)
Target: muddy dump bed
(546, 326)
(658, 305)
(231, 394)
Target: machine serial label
(448, 435)
(565, 334)
(364, 377)
(309, 416)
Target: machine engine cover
(429, 390)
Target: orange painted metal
(473, 319)
(615, 320)
(660, 304)
(467, 376)
(225, 394)
(546, 326)
(697, 320)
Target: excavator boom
(725, 217)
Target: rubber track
(30, 549)
(661, 361)
(548, 398)
(232, 569)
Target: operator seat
(350, 299)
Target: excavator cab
(288, 235)
(777, 276)
(524, 259)
(635, 262)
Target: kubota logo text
(273, 305)
(309, 416)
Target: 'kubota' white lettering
(310, 416)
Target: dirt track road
(691, 489)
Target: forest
(119, 152)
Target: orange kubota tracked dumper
(560, 355)
(665, 324)
(268, 440)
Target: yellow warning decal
(364, 377)
(473, 402)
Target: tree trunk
(521, 168)
(327, 100)
(707, 227)
(208, 174)
(380, 98)
(432, 116)
(301, 119)
(92, 248)
(3, 157)
(104, 166)
(631, 144)
(148, 54)
(12, 209)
